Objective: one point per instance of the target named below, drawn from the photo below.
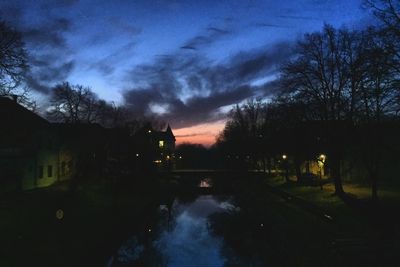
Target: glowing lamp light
(321, 160)
(168, 157)
(149, 131)
(180, 157)
(284, 156)
(137, 155)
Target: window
(49, 171)
(161, 143)
(40, 171)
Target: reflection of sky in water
(190, 243)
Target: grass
(376, 224)
(93, 226)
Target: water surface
(182, 238)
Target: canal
(249, 228)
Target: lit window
(161, 143)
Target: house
(165, 141)
(154, 148)
(164, 146)
(31, 153)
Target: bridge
(209, 181)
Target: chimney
(15, 98)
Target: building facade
(31, 153)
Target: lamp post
(285, 163)
(321, 162)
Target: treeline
(339, 94)
(79, 104)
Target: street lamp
(285, 163)
(321, 161)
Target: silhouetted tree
(319, 76)
(378, 96)
(13, 65)
(79, 104)
(240, 140)
(193, 156)
(387, 11)
(346, 80)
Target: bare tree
(241, 136)
(320, 76)
(378, 101)
(13, 65)
(347, 80)
(387, 11)
(75, 104)
(79, 104)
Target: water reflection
(187, 242)
(190, 243)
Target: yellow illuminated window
(161, 143)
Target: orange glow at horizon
(204, 134)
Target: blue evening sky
(186, 60)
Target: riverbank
(54, 227)
(357, 221)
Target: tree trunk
(374, 176)
(297, 169)
(336, 175)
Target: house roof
(165, 135)
(13, 115)
(19, 125)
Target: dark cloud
(46, 73)
(269, 25)
(188, 47)
(192, 88)
(47, 35)
(193, 134)
(107, 65)
(49, 55)
(217, 30)
(209, 36)
(298, 17)
(35, 84)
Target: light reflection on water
(190, 243)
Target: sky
(186, 62)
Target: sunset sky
(185, 61)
